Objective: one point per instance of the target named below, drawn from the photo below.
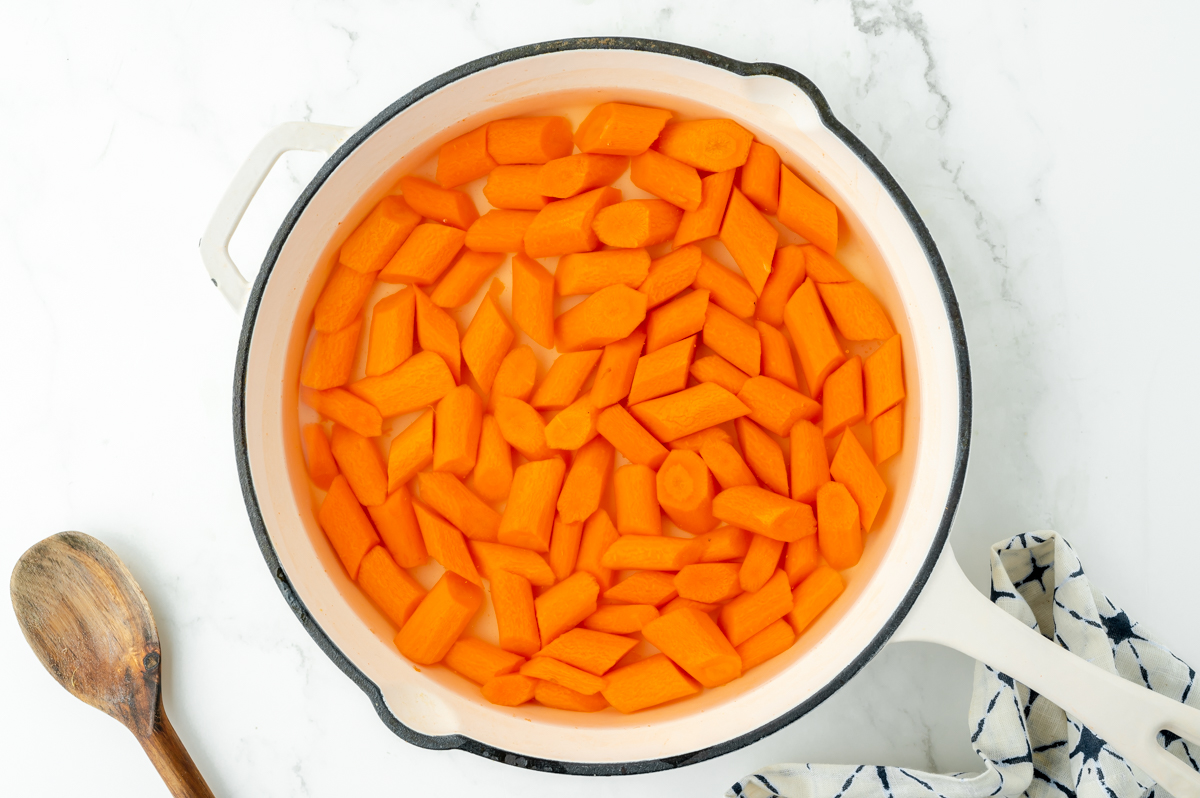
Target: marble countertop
(1050, 151)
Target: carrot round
(606, 316)
(464, 159)
(810, 461)
(322, 468)
(667, 179)
(713, 145)
(806, 212)
(647, 683)
(637, 500)
(478, 661)
(572, 174)
(393, 322)
(410, 451)
(620, 129)
(529, 514)
(750, 613)
(515, 188)
(685, 491)
(709, 583)
(376, 239)
(346, 525)
(389, 586)
(838, 533)
(331, 357)
(763, 455)
(886, 433)
(813, 596)
(359, 460)
(694, 642)
(585, 483)
(787, 273)
(342, 298)
(450, 497)
(759, 510)
(397, 525)
(598, 534)
(645, 587)
(439, 619)
(529, 140)
(761, 561)
(512, 599)
(760, 177)
(637, 223)
(883, 378)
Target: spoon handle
(172, 760)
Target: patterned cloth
(1028, 745)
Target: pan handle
(214, 246)
(1128, 716)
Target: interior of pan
(880, 246)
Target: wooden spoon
(86, 619)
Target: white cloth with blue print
(1028, 745)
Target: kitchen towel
(1028, 745)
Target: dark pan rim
(957, 335)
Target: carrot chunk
(439, 619)
(594, 652)
(804, 211)
(464, 159)
(750, 239)
(823, 267)
(478, 661)
(346, 409)
(529, 514)
(777, 362)
(750, 613)
(464, 279)
(322, 468)
(533, 299)
(854, 469)
(776, 406)
(733, 339)
(564, 675)
(818, 349)
(762, 646)
(717, 369)
(810, 461)
(620, 129)
(663, 371)
(523, 428)
(630, 438)
(566, 376)
(457, 420)
(695, 643)
(437, 331)
(857, 313)
(499, 230)
(606, 316)
(681, 603)
(512, 598)
(763, 455)
(802, 558)
(838, 533)
(410, 451)
(647, 683)
(586, 481)
(708, 583)
(726, 289)
(621, 619)
(843, 406)
(359, 461)
(814, 595)
(598, 534)
(558, 697)
(676, 320)
(637, 223)
(446, 494)
(670, 274)
(417, 382)
(515, 188)
(687, 411)
(645, 587)
(588, 272)
(565, 226)
(397, 525)
(667, 179)
(509, 690)
(759, 510)
(725, 543)
(424, 255)
(376, 239)
(331, 358)
(342, 298)
(886, 433)
(685, 491)
(636, 492)
(529, 140)
(486, 342)
(393, 321)
(574, 426)
(346, 525)
(566, 604)
(651, 553)
(516, 376)
(394, 592)
(705, 220)
(572, 174)
(697, 440)
(564, 548)
(787, 273)
(618, 364)
(446, 544)
(762, 560)
(760, 177)
(713, 145)
(883, 378)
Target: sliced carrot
(750, 239)
(346, 525)
(777, 362)
(636, 492)
(393, 321)
(566, 376)
(439, 619)
(516, 376)
(667, 179)
(588, 272)
(647, 683)
(564, 548)
(761, 646)
(606, 316)
(686, 490)
(331, 357)
(558, 697)
(630, 438)
(621, 619)
(843, 405)
(750, 613)
(446, 494)
(676, 320)
(854, 469)
(814, 595)
(762, 560)
(620, 129)
(397, 525)
(645, 587)
(464, 279)
(338, 404)
(572, 174)
(681, 603)
(760, 177)
(594, 652)
(670, 274)
(663, 371)
(598, 535)
(705, 220)
(457, 419)
(464, 159)
(816, 345)
(410, 451)
(564, 675)
(759, 510)
(695, 643)
(437, 331)
(713, 145)
(486, 342)
(586, 481)
(763, 455)
(322, 468)
(565, 605)
(729, 290)
(708, 583)
(533, 299)
(425, 254)
(565, 226)
(886, 433)
(857, 313)
(725, 544)
(637, 223)
(697, 440)
(802, 558)
(690, 410)
(446, 544)
(515, 188)
(342, 298)
(823, 267)
(810, 461)
(733, 339)
(376, 239)
(359, 461)
(787, 273)
(478, 661)
(717, 369)
(512, 599)
(499, 230)
(883, 378)
(614, 375)
(574, 425)
(803, 210)
(509, 690)
(838, 532)
(388, 585)
(776, 406)
(529, 139)
(651, 553)
(529, 514)
(523, 428)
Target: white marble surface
(1049, 147)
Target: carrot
(523, 428)
(614, 375)
(620, 129)
(687, 411)
(346, 525)
(565, 605)
(439, 619)
(499, 230)
(574, 425)
(854, 469)
(464, 159)
(823, 267)
(843, 406)
(776, 406)
(558, 697)
(717, 369)
(883, 378)
(376, 239)
(695, 643)
(630, 438)
(424, 255)
(509, 690)
(750, 239)
(838, 532)
(645, 587)
(529, 140)
(342, 298)
(493, 465)
(685, 491)
(437, 331)
(397, 525)
(454, 500)
(725, 543)
(394, 592)
(760, 177)
(667, 179)
(733, 339)
(445, 544)
(763, 455)
(572, 174)
(331, 357)
(321, 466)
(647, 683)
(818, 349)
(478, 661)
(713, 145)
(651, 553)
(682, 603)
(359, 461)
(338, 404)
(802, 558)
(750, 613)
(804, 211)
(814, 595)
(586, 481)
(516, 376)
(512, 599)
(708, 583)
(637, 223)
(458, 418)
(606, 316)
(637, 501)
(566, 376)
(564, 675)
(705, 220)
(594, 652)
(588, 272)
(565, 226)
(564, 547)
(621, 619)
(858, 314)
(486, 342)
(533, 299)
(419, 381)
(676, 320)
(393, 322)
(772, 641)
(464, 279)
(697, 440)
(529, 514)
(726, 289)
(762, 559)
(410, 451)
(759, 510)
(787, 273)
(670, 274)
(663, 371)
(810, 461)
(886, 433)
(515, 188)
(598, 534)
(777, 362)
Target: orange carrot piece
(810, 461)
(762, 560)
(759, 510)
(621, 619)
(750, 613)
(454, 500)
(733, 339)
(397, 525)
(777, 362)
(322, 468)
(389, 586)
(620, 129)
(645, 587)
(570, 175)
(346, 525)
(854, 469)
(529, 514)
(499, 230)
(883, 378)
(359, 461)
(729, 290)
(393, 321)
(457, 419)
(838, 533)
(750, 239)
(496, 557)
(598, 534)
(843, 405)
(676, 320)
(533, 299)
(478, 661)
(439, 619)
(331, 357)
(687, 411)
(614, 375)
(486, 342)
(515, 188)
(342, 298)
(823, 267)
(509, 690)
(588, 272)
(516, 376)
(804, 211)
(558, 697)
(338, 404)
(772, 641)
(695, 643)
(697, 440)
(424, 255)
(566, 376)
(410, 451)
(776, 406)
(667, 179)
(565, 226)
(512, 599)
(802, 558)
(647, 683)
(717, 369)
(725, 543)
(663, 371)
(651, 553)
(565, 605)
(670, 274)
(529, 139)
(594, 652)
(857, 313)
(637, 223)
(586, 481)
(686, 490)
(564, 675)
(787, 273)
(523, 428)
(814, 595)
(705, 220)
(574, 425)
(816, 345)
(760, 177)
(376, 239)
(564, 548)
(630, 438)
(606, 316)
(636, 492)
(446, 544)
(437, 331)
(708, 583)
(681, 603)
(464, 159)
(421, 380)
(713, 145)
(763, 455)
(887, 433)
